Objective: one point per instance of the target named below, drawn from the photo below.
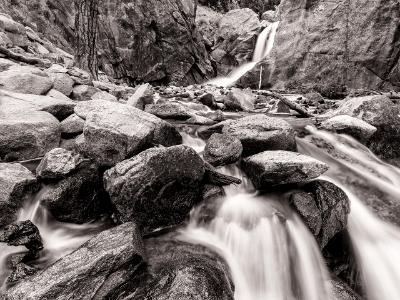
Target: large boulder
(97, 270)
(180, 270)
(222, 149)
(153, 41)
(77, 198)
(17, 184)
(331, 45)
(62, 82)
(324, 208)
(114, 132)
(25, 79)
(270, 168)
(259, 133)
(169, 110)
(27, 135)
(382, 113)
(238, 99)
(57, 164)
(157, 187)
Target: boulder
(180, 270)
(24, 103)
(157, 187)
(238, 99)
(73, 125)
(57, 164)
(382, 113)
(27, 135)
(17, 184)
(98, 269)
(114, 132)
(271, 168)
(354, 127)
(259, 133)
(331, 53)
(208, 99)
(324, 208)
(62, 82)
(169, 47)
(169, 110)
(56, 94)
(23, 233)
(102, 95)
(222, 149)
(79, 197)
(83, 92)
(26, 80)
(142, 96)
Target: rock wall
(330, 45)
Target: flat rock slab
(271, 168)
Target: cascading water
(58, 238)
(376, 242)
(269, 250)
(264, 45)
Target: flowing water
(270, 252)
(59, 239)
(376, 242)
(264, 45)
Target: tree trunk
(86, 30)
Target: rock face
(153, 41)
(259, 133)
(57, 164)
(382, 113)
(29, 135)
(94, 271)
(157, 187)
(78, 198)
(17, 183)
(179, 270)
(354, 127)
(114, 132)
(270, 168)
(324, 208)
(331, 45)
(222, 149)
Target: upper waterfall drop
(264, 45)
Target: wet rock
(258, 133)
(78, 198)
(342, 291)
(98, 268)
(331, 53)
(57, 164)
(382, 113)
(270, 168)
(171, 48)
(354, 127)
(29, 135)
(23, 233)
(17, 184)
(62, 82)
(222, 149)
(26, 80)
(72, 125)
(269, 16)
(180, 270)
(169, 110)
(206, 210)
(83, 92)
(157, 187)
(239, 99)
(19, 272)
(324, 208)
(114, 132)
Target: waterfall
(376, 243)
(270, 252)
(59, 239)
(264, 45)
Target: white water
(59, 239)
(264, 45)
(269, 250)
(376, 242)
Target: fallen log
(303, 112)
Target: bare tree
(86, 33)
